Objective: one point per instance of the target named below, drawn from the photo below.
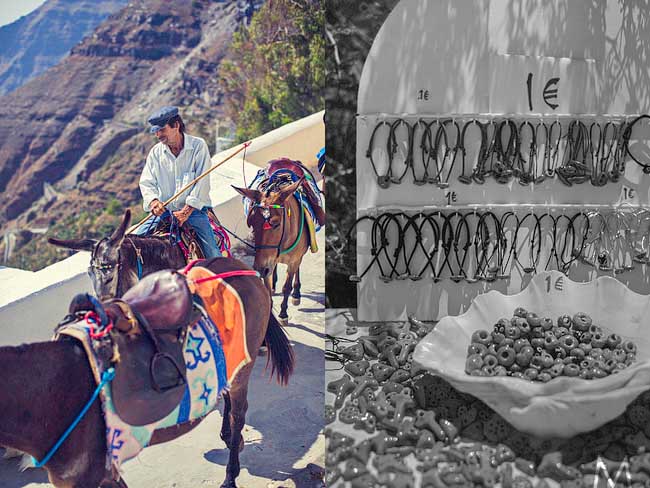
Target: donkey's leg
(275, 279)
(296, 289)
(286, 291)
(238, 408)
(225, 423)
(114, 484)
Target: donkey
(277, 218)
(114, 269)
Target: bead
(513, 332)
(382, 371)
(550, 341)
(342, 388)
(490, 360)
(497, 337)
(354, 352)
(353, 469)
(531, 374)
(481, 337)
(586, 347)
(476, 348)
(581, 321)
(537, 342)
(568, 342)
(500, 370)
(524, 356)
(598, 340)
(613, 340)
(571, 370)
(546, 324)
(564, 321)
(506, 356)
(629, 347)
(619, 355)
(519, 343)
(349, 414)
(533, 320)
(578, 353)
(520, 312)
(357, 368)
(473, 363)
(556, 370)
(329, 414)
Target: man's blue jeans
(201, 225)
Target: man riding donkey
(174, 162)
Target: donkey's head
(268, 217)
(105, 261)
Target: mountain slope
(81, 125)
(39, 40)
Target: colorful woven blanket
(206, 380)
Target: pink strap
(228, 274)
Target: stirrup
(152, 372)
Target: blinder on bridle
(265, 211)
(108, 271)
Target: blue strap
(107, 377)
(138, 261)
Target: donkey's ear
(75, 244)
(254, 195)
(291, 189)
(118, 234)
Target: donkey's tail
(281, 354)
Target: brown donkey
(120, 260)
(44, 386)
(277, 218)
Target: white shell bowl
(564, 406)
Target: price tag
(629, 195)
(450, 197)
(556, 284)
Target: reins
(107, 377)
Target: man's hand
(183, 214)
(157, 207)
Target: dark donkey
(277, 218)
(113, 270)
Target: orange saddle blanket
(225, 308)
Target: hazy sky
(11, 10)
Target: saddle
(188, 240)
(145, 345)
(285, 165)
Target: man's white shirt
(165, 174)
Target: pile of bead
(402, 427)
(539, 349)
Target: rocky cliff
(37, 41)
(81, 125)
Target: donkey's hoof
(263, 351)
(284, 321)
(295, 301)
(11, 453)
(229, 484)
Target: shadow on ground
(289, 420)
(11, 477)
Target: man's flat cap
(160, 117)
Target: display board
(558, 87)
